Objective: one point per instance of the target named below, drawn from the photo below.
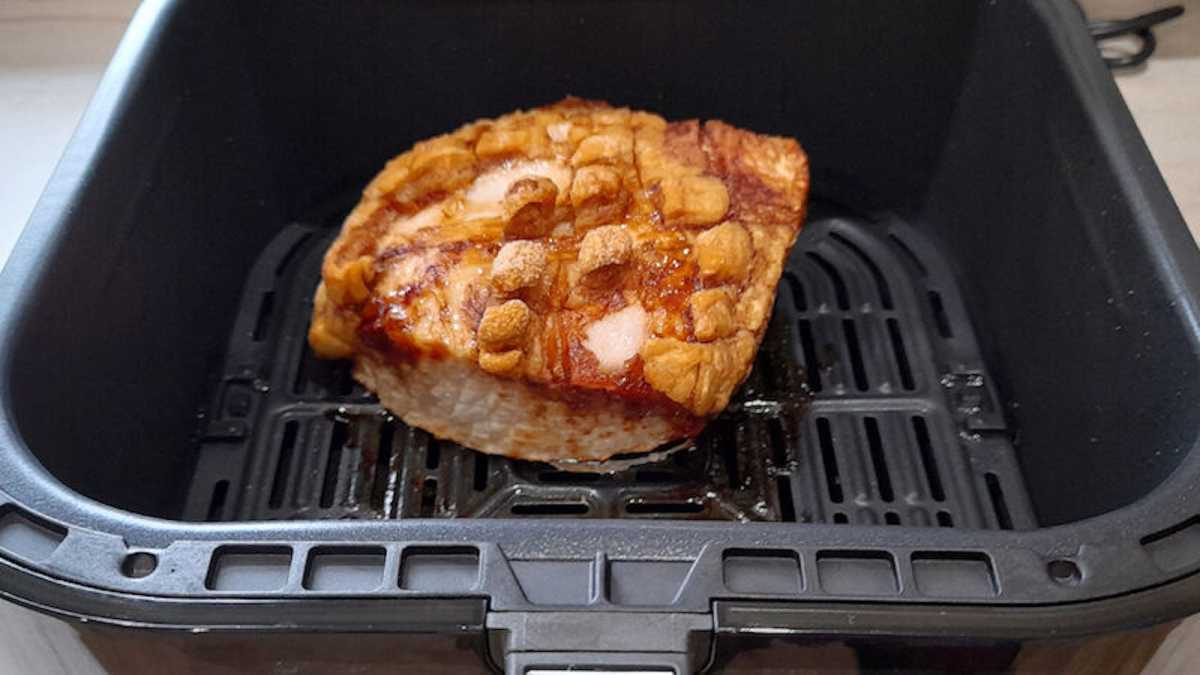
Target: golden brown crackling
(699, 376)
(597, 196)
(504, 326)
(529, 208)
(771, 244)
(693, 200)
(724, 253)
(681, 141)
(519, 264)
(496, 142)
(441, 163)
(672, 164)
(611, 144)
(707, 283)
(500, 363)
(349, 282)
(518, 135)
(712, 314)
(603, 249)
(767, 175)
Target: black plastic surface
(219, 121)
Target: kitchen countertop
(52, 53)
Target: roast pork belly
(567, 283)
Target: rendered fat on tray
(565, 284)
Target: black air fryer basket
(973, 419)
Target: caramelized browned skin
(502, 242)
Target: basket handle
(597, 663)
(600, 641)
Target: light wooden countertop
(52, 53)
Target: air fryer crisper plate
(895, 422)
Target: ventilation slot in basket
(653, 476)
(787, 507)
(902, 365)
(878, 462)
(571, 477)
(939, 315)
(662, 508)
(881, 285)
(799, 301)
(433, 454)
(333, 465)
(833, 478)
(812, 367)
(726, 440)
(382, 487)
(429, 491)
(855, 352)
(283, 465)
(928, 461)
(550, 509)
(835, 279)
(779, 442)
(999, 505)
(479, 477)
(216, 505)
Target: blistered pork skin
(571, 282)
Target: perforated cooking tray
(868, 404)
(994, 306)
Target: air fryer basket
(973, 417)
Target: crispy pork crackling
(571, 282)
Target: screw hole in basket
(139, 565)
(1064, 572)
